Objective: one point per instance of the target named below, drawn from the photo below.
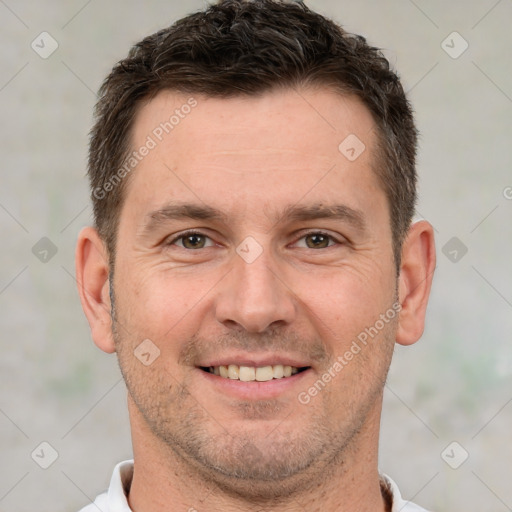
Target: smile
(253, 373)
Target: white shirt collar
(399, 504)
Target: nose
(254, 296)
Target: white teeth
(264, 373)
(251, 373)
(247, 373)
(278, 371)
(233, 371)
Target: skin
(209, 445)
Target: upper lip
(255, 360)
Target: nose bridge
(254, 296)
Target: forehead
(258, 152)
(324, 116)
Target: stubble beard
(290, 459)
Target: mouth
(254, 373)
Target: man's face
(296, 263)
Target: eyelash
(193, 232)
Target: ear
(415, 280)
(92, 276)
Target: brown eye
(192, 241)
(317, 240)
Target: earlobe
(415, 281)
(92, 276)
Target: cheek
(161, 306)
(344, 301)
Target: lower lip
(254, 390)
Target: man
(253, 260)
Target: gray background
(454, 385)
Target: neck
(166, 480)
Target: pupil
(318, 240)
(193, 240)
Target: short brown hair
(244, 47)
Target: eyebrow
(324, 211)
(292, 213)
